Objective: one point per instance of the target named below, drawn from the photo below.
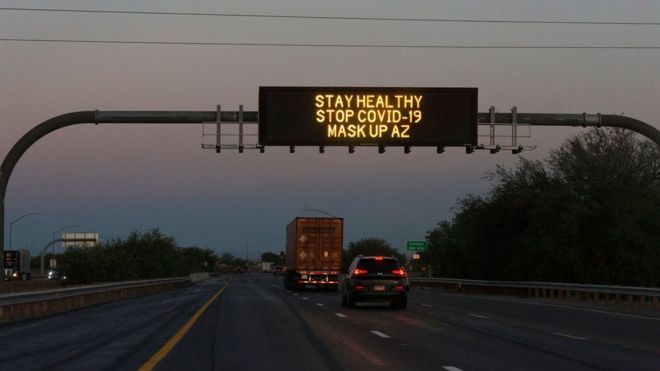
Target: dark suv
(375, 278)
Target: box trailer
(314, 248)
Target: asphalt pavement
(257, 325)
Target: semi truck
(314, 248)
(16, 265)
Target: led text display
(367, 116)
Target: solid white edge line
(340, 315)
(378, 333)
(568, 336)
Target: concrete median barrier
(15, 307)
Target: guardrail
(643, 296)
(33, 304)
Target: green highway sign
(416, 245)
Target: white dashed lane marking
(451, 368)
(427, 305)
(305, 298)
(340, 315)
(568, 336)
(320, 304)
(378, 333)
(478, 316)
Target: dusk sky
(113, 179)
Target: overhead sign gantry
(332, 116)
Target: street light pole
(11, 226)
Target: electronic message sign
(354, 116)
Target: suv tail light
(359, 271)
(399, 272)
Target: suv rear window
(373, 265)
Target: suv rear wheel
(400, 303)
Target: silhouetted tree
(590, 213)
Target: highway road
(257, 325)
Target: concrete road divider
(641, 296)
(196, 277)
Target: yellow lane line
(151, 363)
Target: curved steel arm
(34, 135)
(97, 117)
(569, 119)
(632, 124)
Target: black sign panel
(343, 116)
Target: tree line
(590, 213)
(139, 256)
